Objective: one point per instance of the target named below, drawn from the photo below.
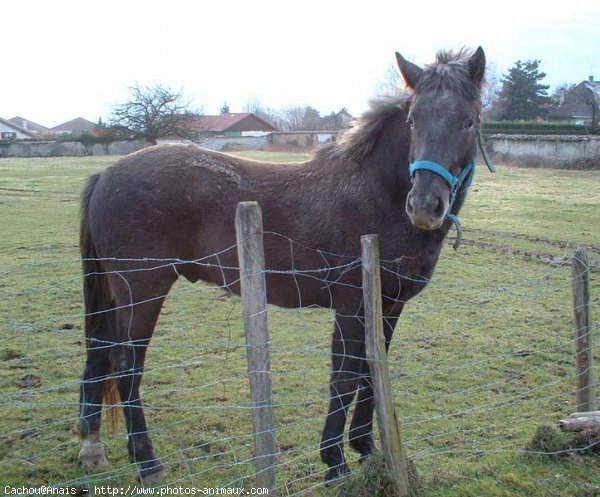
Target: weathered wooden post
(389, 431)
(249, 232)
(584, 352)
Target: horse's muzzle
(426, 211)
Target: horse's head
(443, 118)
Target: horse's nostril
(410, 208)
(439, 208)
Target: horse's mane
(357, 141)
(450, 71)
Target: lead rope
(490, 165)
(459, 230)
(486, 157)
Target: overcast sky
(63, 59)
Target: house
(74, 127)
(232, 124)
(581, 105)
(10, 131)
(29, 126)
(345, 118)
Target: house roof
(27, 125)
(576, 103)
(594, 87)
(232, 122)
(7, 123)
(77, 125)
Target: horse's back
(161, 203)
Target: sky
(63, 59)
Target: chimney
(591, 78)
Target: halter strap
(436, 168)
(458, 184)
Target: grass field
(481, 359)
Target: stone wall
(67, 149)
(572, 152)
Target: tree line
(300, 118)
(153, 112)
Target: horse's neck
(389, 158)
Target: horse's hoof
(92, 457)
(154, 478)
(336, 474)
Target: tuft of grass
(373, 479)
(546, 442)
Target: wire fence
(478, 361)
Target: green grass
(481, 359)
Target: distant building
(231, 124)
(75, 127)
(581, 105)
(28, 125)
(10, 131)
(345, 118)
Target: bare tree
(293, 118)
(154, 112)
(391, 84)
(491, 90)
(255, 106)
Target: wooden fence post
(389, 430)
(584, 352)
(249, 232)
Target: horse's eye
(469, 124)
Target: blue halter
(458, 186)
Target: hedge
(532, 128)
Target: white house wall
(4, 128)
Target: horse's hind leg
(136, 324)
(361, 428)
(96, 370)
(130, 357)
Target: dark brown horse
(177, 203)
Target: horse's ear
(410, 72)
(477, 66)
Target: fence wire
(480, 359)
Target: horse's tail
(97, 300)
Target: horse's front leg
(361, 428)
(348, 366)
